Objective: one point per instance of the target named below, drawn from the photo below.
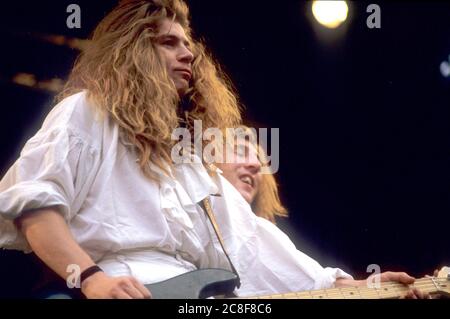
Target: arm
(399, 277)
(50, 238)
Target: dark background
(363, 115)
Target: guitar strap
(206, 205)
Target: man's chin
(247, 196)
(182, 91)
(182, 86)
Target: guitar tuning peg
(444, 272)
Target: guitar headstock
(442, 281)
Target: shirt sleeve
(267, 260)
(53, 170)
(317, 277)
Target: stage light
(331, 14)
(30, 80)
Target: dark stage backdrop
(363, 114)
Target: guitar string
(387, 289)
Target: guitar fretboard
(388, 290)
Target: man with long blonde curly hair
(97, 179)
(95, 193)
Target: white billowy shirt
(132, 225)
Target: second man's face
(174, 47)
(243, 170)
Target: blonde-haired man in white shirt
(95, 189)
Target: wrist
(89, 275)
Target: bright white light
(330, 13)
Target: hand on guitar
(387, 277)
(102, 286)
(403, 278)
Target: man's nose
(253, 165)
(185, 55)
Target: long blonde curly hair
(267, 203)
(126, 78)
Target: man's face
(173, 46)
(243, 170)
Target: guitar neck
(386, 290)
